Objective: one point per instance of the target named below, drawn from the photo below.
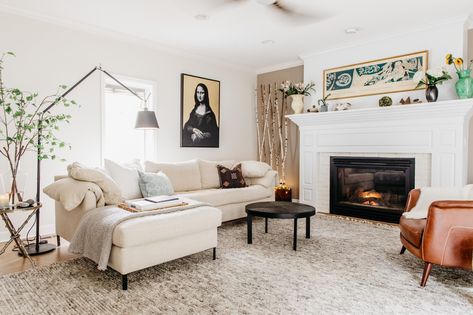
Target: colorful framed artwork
(200, 112)
(382, 76)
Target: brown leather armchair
(445, 238)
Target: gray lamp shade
(146, 119)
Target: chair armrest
(412, 199)
(448, 234)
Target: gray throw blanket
(93, 237)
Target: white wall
(439, 41)
(49, 55)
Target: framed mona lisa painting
(200, 112)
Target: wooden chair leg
(403, 249)
(426, 273)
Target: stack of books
(152, 203)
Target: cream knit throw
(430, 194)
(93, 237)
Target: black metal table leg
(294, 246)
(265, 225)
(307, 227)
(215, 253)
(249, 224)
(124, 282)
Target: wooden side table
(15, 233)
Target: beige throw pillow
(70, 192)
(184, 176)
(111, 192)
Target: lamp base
(42, 249)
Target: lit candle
(4, 200)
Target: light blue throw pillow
(155, 184)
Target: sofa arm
(268, 180)
(448, 234)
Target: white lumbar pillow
(209, 172)
(126, 176)
(254, 168)
(428, 195)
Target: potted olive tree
(22, 122)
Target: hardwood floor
(11, 262)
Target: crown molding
(280, 66)
(122, 37)
(461, 19)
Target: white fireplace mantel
(439, 129)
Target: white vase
(297, 104)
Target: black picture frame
(200, 118)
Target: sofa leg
(214, 253)
(403, 249)
(124, 282)
(426, 273)
(58, 240)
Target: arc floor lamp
(145, 119)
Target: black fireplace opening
(370, 187)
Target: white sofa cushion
(209, 172)
(184, 176)
(254, 168)
(149, 229)
(126, 176)
(218, 197)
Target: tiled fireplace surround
(437, 135)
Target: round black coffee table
(279, 210)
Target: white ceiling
(233, 33)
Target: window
(120, 140)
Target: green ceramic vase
(464, 85)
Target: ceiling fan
(279, 6)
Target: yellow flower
(458, 62)
(449, 59)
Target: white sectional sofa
(143, 242)
(198, 180)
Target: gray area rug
(348, 267)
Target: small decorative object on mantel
(342, 106)
(385, 101)
(313, 109)
(323, 103)
(282, 192)
(408, 101)
(464, 85)
(430, 79)
(297, 91)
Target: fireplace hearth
(370, 187)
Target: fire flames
(371, 198)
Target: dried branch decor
(272, 128)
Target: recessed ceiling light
(352, 30)
(201, 17)
(268, 42)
